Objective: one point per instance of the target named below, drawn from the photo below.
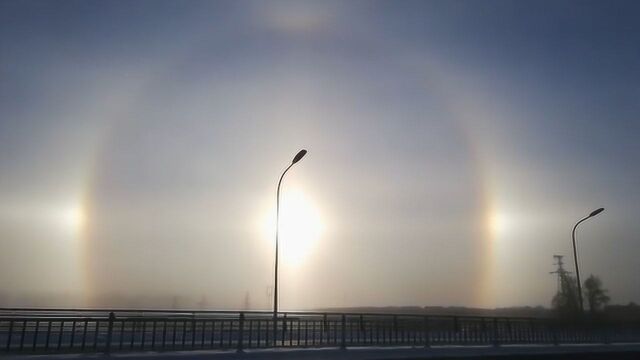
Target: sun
(300, 226)
(72, 218)
(499, 223)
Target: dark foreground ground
(587, 352)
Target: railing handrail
(268, 312)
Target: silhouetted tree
(595, 295)
(566, 301)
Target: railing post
(284, 329)
(325, 323)
(427, 333)
(343, 345)
(605, 336)
(554, 332)
(496, 341)
(395, 330)
(483, 330)
(362, 334)
(24, 330)
(35, 334)
(456, 330)
(112, 317)
(531, 338)
(275, 330)
(46, 343)
(241, 333)
(8, 347)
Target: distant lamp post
(296, 158)
(575, 254)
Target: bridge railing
(70, 331)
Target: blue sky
(452, 146)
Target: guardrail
(70, 331)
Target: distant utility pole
(247, 301)
(560, 270)
(203, 304)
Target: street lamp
(296, 158)
(575, 255)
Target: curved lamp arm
(575, 253)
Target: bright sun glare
(499, 223)
(72, 218)
(300, 226)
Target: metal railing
(70, 331)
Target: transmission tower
(560, 270)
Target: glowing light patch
(499, 224)
(69, 219)
(73, 218)
(300, 227)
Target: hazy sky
(452, 146)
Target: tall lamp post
(575, 254)
(296, 158)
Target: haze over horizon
(452, 147)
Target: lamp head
(299, 156)
(596, 212)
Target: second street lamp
(296, 158)
(575, 254)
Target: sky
(452, 146)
